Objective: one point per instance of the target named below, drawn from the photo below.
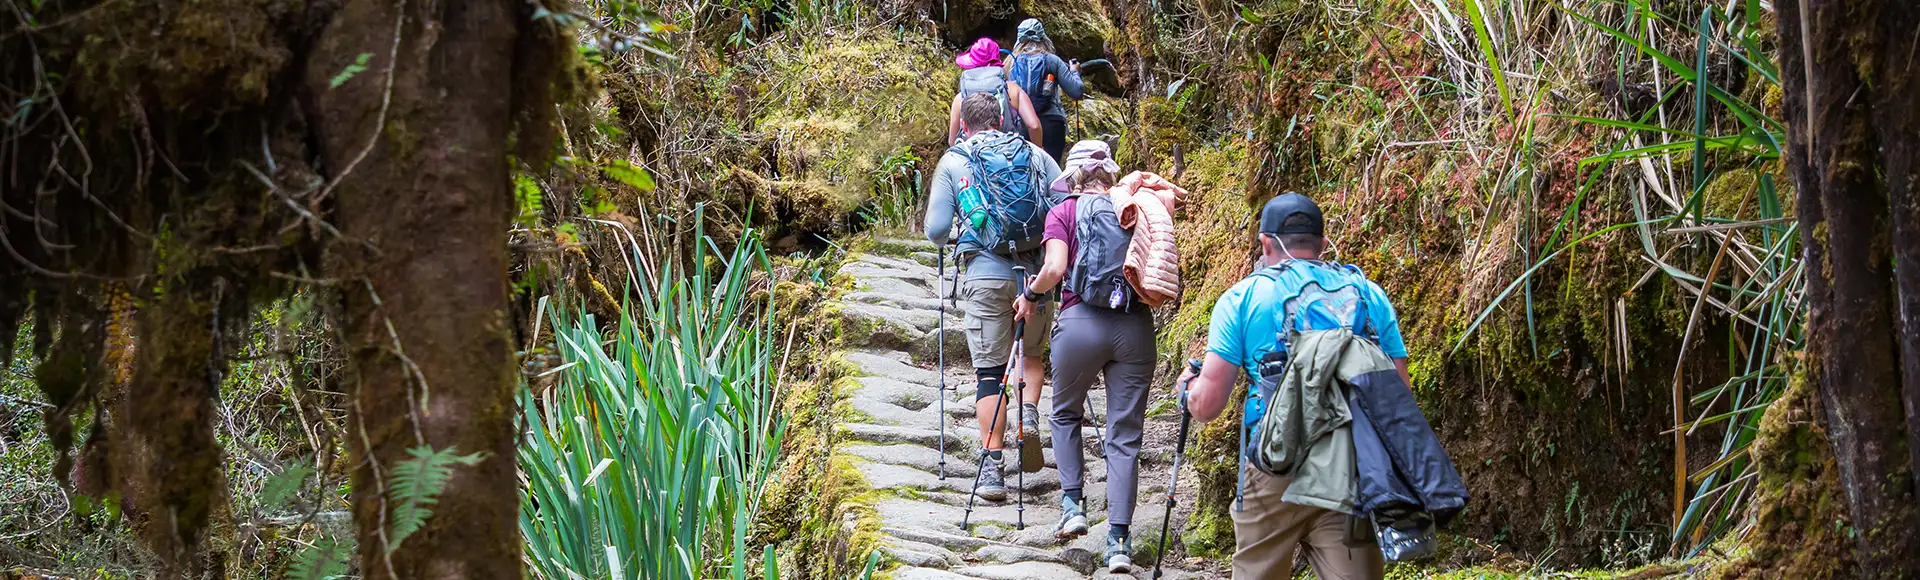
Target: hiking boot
(1119, 552)
(1073, 521)
(1030, 458)
(991, 486)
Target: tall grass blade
(1478, 16)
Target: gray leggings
(1088, 340)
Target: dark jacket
(1400, 462)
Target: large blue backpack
(1029, 70)
(1003, 204)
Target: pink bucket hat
(985, 52)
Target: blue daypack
(1003, 204)
(1314, 307)
(1030, 72)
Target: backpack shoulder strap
(1273, 272)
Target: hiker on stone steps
(1103, 328)
(983, 72)
(988, 290)
(1044, 77)
(1245, 327)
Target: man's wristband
(1036, 297)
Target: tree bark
(418, 146)
(1897, 108)
(1833, 154)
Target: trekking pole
(1018, 360)
(942, 368)
(993, 427)
(1179, 449)
(980, 467)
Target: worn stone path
(893, 436)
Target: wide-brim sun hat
(1085, 155)
(984, 52)
(1031, 30)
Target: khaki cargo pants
(989, 322)
(1268, 532)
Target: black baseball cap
(1286, 205)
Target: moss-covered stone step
(892, 365)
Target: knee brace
(989, 381)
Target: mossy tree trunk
(1898, 58)
(418, 144)
(171, 410)
(1848, 81)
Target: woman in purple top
(1113, 335)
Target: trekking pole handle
(1194, 364)
(1020, 281)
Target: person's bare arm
(1024, 106)
(1209, 393)
(1054, 268)
(1405, 375)
(953, 120)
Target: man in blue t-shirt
(1245, 327)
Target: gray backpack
(1097, 275)
(992, 80)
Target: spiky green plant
(648, 458)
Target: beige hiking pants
(1268, 532)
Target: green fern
(416, 485)
(359, 66)
(284, 487)
(324, 560)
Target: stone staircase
(893, 440)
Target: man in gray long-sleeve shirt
(987, 296)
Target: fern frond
(415, 486)
(324, 560)
(284, 487)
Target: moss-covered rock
(1079, 28)
(1800, 524)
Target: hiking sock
(1073, 494)
(1119, 530)
(995, 454)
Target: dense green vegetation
(1593, 217)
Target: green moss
(1079, 28)
(206, 56)
(1215, 240)
(890, 246)
(1729, 195)
(839, 106)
